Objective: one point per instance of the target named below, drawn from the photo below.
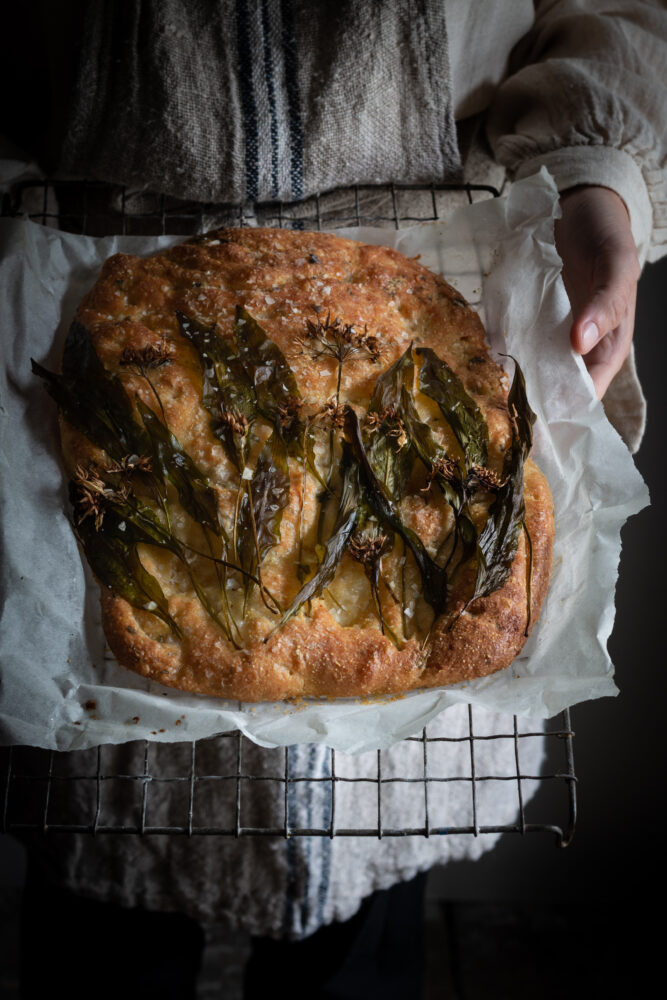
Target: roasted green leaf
(434, 577)
(263, 503)
(394, 435)
(390, 384)
(443, 470)
(520, 410)
(135, 523)
(440, 383)
(394, 397)
(268, 372)
(497, 544)
(92, 399)
(227, 393)
(118, 567)
(466, 535)
(498, 541)
(195, 494)
(385, 439)
(396, 394)
(338, 540)
(368, 544)
(129, 521)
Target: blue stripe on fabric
(292, 857)
(293, 103)
(308, 870)
(326, 844)
(248, 103)
(270, 87)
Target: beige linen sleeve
(586, 97)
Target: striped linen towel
(256, 100)
(286, 888)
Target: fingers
(613, 288)
(600, 273)
(603, 325)
(606, 358)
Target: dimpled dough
(335, 646)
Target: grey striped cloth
(256, 100)
(275, 886)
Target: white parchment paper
(60, 690)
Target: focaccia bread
(296, 471)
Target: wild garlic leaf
(117, 566)
(434, 577)
(390, 384)
(445, 472)
(440, 383)
(79, 412)
(126, 523)
(259, 526)
(92, 399)
(499, 539)
(266, 369)
(226, 392)
(466, 534)
(337, 542)
(384, 436)
(195, 494)
(133, 522)
(520, 410)
(368, 544)
(438, 464)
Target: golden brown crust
(339, 649)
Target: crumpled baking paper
(62, 691)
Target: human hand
(600, 274)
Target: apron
(258, 100)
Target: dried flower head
(145, 360)
(487, 478)
(390, 420)
(446, 468)
(288, 411)
(338, 340)
(367, 550)
(235, 420)
(129, 464)
(373, 421)
(333, 413)
(442, 468)
(94, 495)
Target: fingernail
(589, 336)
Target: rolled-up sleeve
(587, 98)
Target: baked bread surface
(334, 646)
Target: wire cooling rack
(162, 787)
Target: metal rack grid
(35, 781)
(36, 793)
